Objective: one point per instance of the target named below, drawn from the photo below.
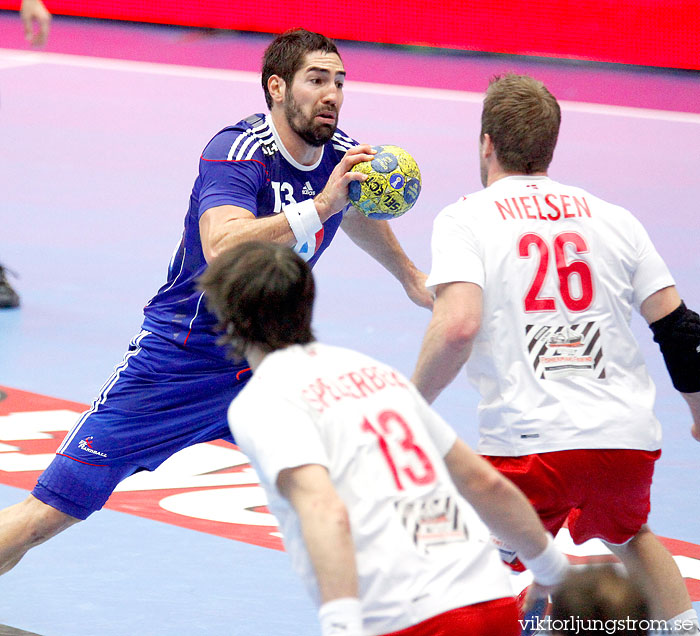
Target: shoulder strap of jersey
(254, 120)
(342, 143)
(253, 133)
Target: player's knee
(42, 521)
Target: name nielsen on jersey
(531, 203)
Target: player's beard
(314, 134)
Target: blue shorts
(159, 400)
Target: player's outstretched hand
(535, 592)
(334, 196)
(693, 400)
(36, 19)
(533, 608)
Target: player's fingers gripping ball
(393, 185)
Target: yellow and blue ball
(393, 185)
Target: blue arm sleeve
(228, 182)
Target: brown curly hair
(262, 293)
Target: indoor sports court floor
(100, 135)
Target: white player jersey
(420, 547)
(555, 361)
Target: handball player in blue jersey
(281, 176)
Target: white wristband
(342, 616)
(549, 566)
(303, 219)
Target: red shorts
(602, 493)
(491, 618)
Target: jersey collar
(285, 152)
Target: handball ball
(392, 187)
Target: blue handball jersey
(244, 165)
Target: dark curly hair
(262, 293)
(285, 55)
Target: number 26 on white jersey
(576, 271)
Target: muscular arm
(448, 340)
(657, 306)
(224, 226)
(660, 304)
(325, 526)
(378, 240)
(502, 507)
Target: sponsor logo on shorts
(86, 445)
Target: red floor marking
(15, 449)
(141, 503)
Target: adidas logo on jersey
(308, 191)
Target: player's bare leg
(25, 525)
(646, 558)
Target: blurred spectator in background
(36, 19)
(8, 296)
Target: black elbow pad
(678, 336)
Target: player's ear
(486, 146)
(277, 88)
